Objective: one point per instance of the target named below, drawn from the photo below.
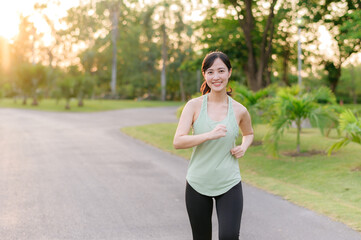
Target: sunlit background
(9, 15)
(142, 54)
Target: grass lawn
(328, 185)
(89, 105)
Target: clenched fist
(238, 151)
(219, 131)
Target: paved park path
(76, 176)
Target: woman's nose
(215, 76)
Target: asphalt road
(76, 176)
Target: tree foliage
(30, 80)
(341, 18)
(351, 126)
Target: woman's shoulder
(195, 102)
(239, 110)
(238, 106)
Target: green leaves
(324, 95)
(351, 126)
(350, 29)
(291, 106)
(30, 78)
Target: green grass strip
(89, 105)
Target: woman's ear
(230, 73)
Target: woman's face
(217, 75)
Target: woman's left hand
(238, 151)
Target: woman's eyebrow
(220, 68)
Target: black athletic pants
(229, 208)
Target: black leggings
(229, 208)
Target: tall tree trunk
(35, 100)
(114, 17)
(334, 74)
(255, 72)
(298, 122)
(50, 74)
(247, 26)
(163, 81)
(266, 47)
(80, 100)
(67, 104)
(268, 50)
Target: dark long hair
(208, 62)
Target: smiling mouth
(217, 84)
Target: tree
(290, 107)
(342, 19)
(163, 81)
(141, 49)
(31, 78)
(284, 49)
(258, 50)
(150, 53)
(181, 52)
(84, 85)
(114, 15)
(350, 89)
(66, 84)
(54, 50)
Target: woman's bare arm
(245, 125)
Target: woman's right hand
(219, 131)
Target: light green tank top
(213, 170)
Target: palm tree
(290, 106)
(351, 125)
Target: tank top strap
(204, 104)
(203, 112)
(230, 108)
(231, 115)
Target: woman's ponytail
(205, 88)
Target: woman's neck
(218, 97)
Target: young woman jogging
(213, 171)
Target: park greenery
(153, 50)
